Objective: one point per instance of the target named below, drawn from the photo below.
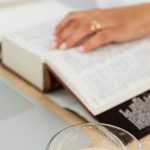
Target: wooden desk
(66, 115)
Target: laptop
(24, 123)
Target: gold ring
(95, 26)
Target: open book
(100, 80)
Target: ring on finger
(96, 26)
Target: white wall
(85, 4)
(116, 3)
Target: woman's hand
(115, 25)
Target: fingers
(76, 28)
(64, 35)
(99, 39)
(70, 17)
(69, 30)
(76, 37)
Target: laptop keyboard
(11, 103)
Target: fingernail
(63, 46)
(81, 49)
(54, 45)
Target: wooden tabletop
(37, 95)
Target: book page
(67, 101)
(29, 14)
(36, 39)
(105, 77)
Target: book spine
(50, 82)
